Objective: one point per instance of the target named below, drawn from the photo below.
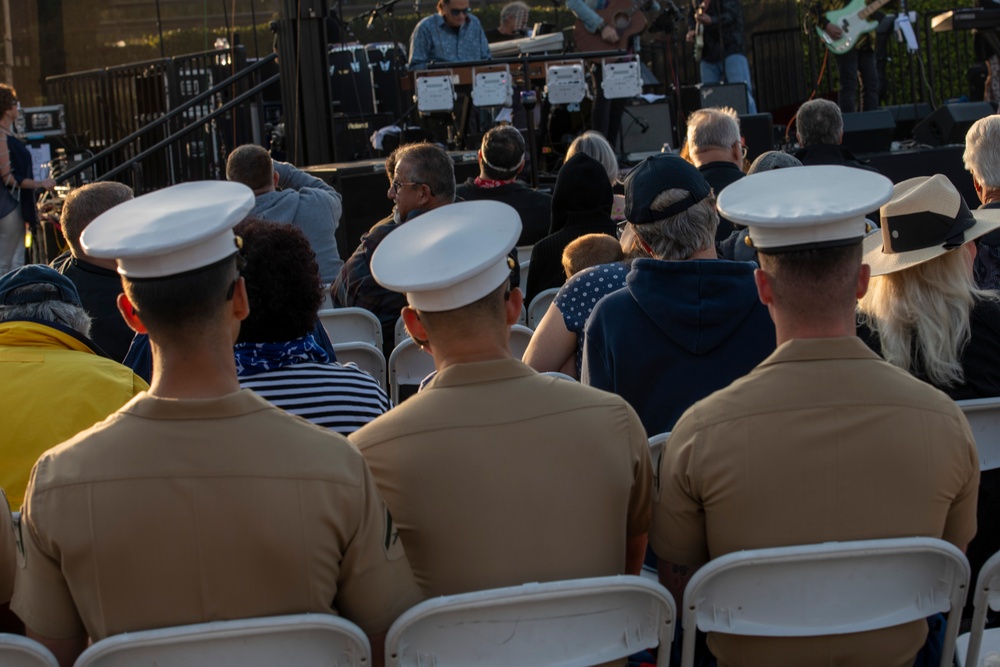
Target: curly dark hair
(283, 282)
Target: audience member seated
(715, 146)
(422, 179)
(581, 204)
(55, 384)
(276, 354)
(924, 313)
(819, 127)
(474, 468)
(823, 441)
(286, 194)
(590, 250)
(557, 344)
(596, 146)
(693, 318)
(96, 280)
(501, 159)
(198, 501)
(982, 145)
(736, 246)
(8, 566)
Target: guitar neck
(872, 8)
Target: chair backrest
(577, 622)
(525, 261)
(987, 596)
(656, 449)
(522, 319)
(408, 364)
(301, 640)
(520, 336)
(827, 589)
(984, 418)
(401, 332)
(541, 303)
(18, 651)
(352, 325)
(367, 357)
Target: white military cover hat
(806, 207)
(450, 256)
(171, 231)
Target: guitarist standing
(723, 55)
(859, 60)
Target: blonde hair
(921, 316)
(590, 250)
(596, 146)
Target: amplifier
(715, 95)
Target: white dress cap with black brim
(172, 231)
(926, 218)
(804, 208)
(449, 257)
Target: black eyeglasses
(459, 12)
(620, 228)
(395, 185)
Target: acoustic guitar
(625, 16)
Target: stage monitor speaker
(868, 131)
(363, 186)
(758, 130)
(907, 116)
(352, 135)
(715, 95)
(950, 122)
(646, 129)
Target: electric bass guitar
(625, 16)
(853, 22)
(699, 32)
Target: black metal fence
(106, 105)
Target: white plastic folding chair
(520, 336)
(401, 333)
(522, 319)
(656, 449)
(302, 640)
(566, 623)
(17, 651)
(984, 418)
(972, 646)
(408, 365)
(352, 325)
(541, 303)
(366, 356)
(827, 589)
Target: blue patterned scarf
(254, 358)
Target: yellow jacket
(52, 386)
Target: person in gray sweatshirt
(289, 195)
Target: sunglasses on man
(459, 12)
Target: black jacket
(533, 206)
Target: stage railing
(173, 105)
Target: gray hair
(819, 122)
(514, 9)
(713, 128)
(596, 146)
(49, 310)
(982, 151)
(680, 236)
(770, 160)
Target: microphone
(371, 18)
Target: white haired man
(982, 160)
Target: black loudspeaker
(352, 135)
(950, 122)
(758, 130)
(363, 187)
(869, 131)
(907, 116)
(716, 95)
(646, 128)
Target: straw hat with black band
(926, 218)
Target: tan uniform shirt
(8, 551)
(823, 441)
(498, 476)
(183, 511)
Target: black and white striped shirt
(340, 398)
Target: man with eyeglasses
(198, 501)
(717, 150)
(451, 35)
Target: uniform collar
(812, 349)
(480, 371)
(232, 405)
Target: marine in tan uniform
(198, 501)
(823, 441)
(497, 475)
